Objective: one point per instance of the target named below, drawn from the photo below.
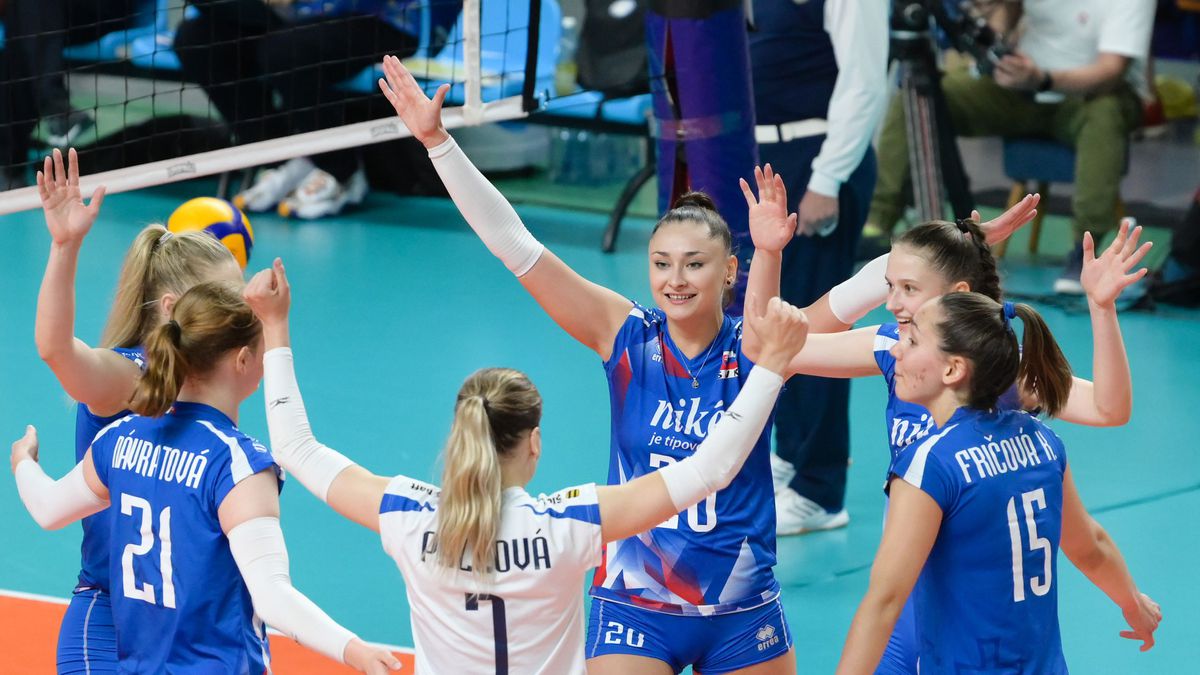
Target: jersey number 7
(499, 626)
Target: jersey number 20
(1038, 586)
(694, 519)
(129, 586)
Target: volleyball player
(158, 268)
(493, 574)
(978, 509)
(196, 554)
(938, 257)
(692, 591)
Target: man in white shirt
(820, 89)
(1075, 77)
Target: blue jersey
(178, 599)
(93, 553)
(717, 556)
(907, 422)
(987, 598)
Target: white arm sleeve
(485, 209)
(292, 442)
(867, 289)
(721, 455)
(261, 556)
(54, 504)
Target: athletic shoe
(64, 128)
(1068, 282)
(795, 514)
(782, 472)
(274, 185)
(320, 195)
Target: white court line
(21, 595)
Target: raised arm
(54, 504)
(588, 312)
(349, 489)
(99, 378)
(1090, 549)
(644, 502)
(1108, 399)
(249, 516)
(912, 525)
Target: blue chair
(1040, 161)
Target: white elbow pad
(292, 443)
(867, 289)
(721, 455)
(261, 556)
(485, 209)
(55, 504)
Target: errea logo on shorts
(766, 637)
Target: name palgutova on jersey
(995, 458)
(165, 463)
(522, 553)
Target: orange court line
(29, 633)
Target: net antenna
(500, 62)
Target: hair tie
(1008, 311)
(166, 236)
(963, 226)
(175, 328)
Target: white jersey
(529, 616)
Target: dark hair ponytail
(980, 329)
(698, 207)
(958, 251)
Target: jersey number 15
(1039, 586)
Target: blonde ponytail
(158, 262)
(208, 320)
(496, 408)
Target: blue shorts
(711, 644)
(900, 657)
(87, 639)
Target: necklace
(695, 382)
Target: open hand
(420, 114)
(1002, 227)
(771, 228)
(1143, 619)
(25, 447)
(269, 294)
(781, 330)
(1104, 278)
(67, 217)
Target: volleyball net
(158, 91)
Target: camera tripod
(936, 166)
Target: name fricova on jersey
(685, 417)
(165, 463)
(998, 457)
(523, 553)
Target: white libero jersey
(529, 618)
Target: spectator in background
(33, 71)
(1075, 76)
(272, 69)
(820, 82)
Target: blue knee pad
(87, 639)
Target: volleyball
(219, 218)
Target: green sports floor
(396, 303)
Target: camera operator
(1075, 74)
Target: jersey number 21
(130, 587)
